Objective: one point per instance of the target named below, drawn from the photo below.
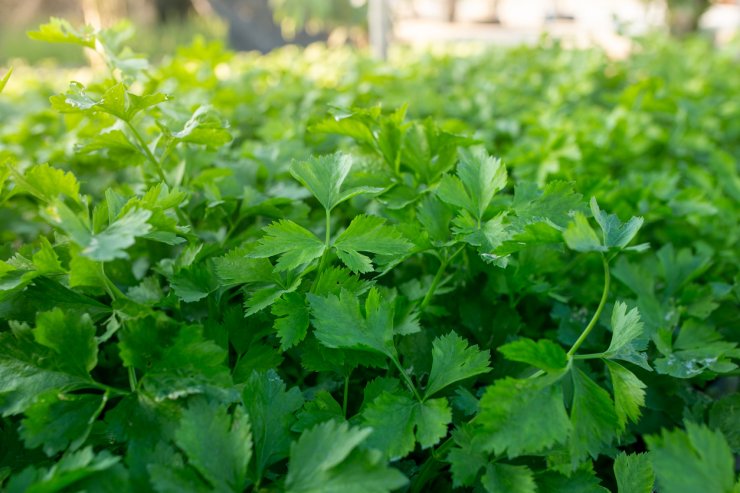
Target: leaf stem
(110, 390)
(325, 253)
(109, 286)
(599, 309)
(147, 151)
(345, 398)
(407, 379)
(438, 278)
(133, 382)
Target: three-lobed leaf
(324, 176)
(479, 177)
(453, 360)
(294, 244)
(369, 234)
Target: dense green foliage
(519, 274)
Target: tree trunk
(451, 10)
(252, 26)
(684, 15)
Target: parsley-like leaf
(324, 176)
(218, 445)
(369, 234)
(524, 416)
(593, 417)
(634, 473)
(453, 360)
(697, 459)
(340, 323)
(479, 177)
(270, 407)
(629, 393)
(72, 337)
(505, 478)
(326, 459)
(399, 421)
(295, 245)
(543, 354)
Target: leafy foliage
(228, 273)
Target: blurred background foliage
(264, 25)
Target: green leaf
(116, 101)
(629, 393)
(339, 322)
(505, 478)
(580, 236)
(724, 416)
(217, 444)
(322, 408)
(4, 81)
(47, 183)
(698, 348)
(634, 473)
(72, 337)
(326, 459)
(581, 481)
(593, 417)
(295, 245)
(468, 457)
(524, 416)
(324, 176)
(58, 420)
(292, 324)
(452, 361)
(628, 336)
(204, 127)
(697, 459)
(551, 205)
(60, 31)
(626, 327)
(479, 177)
(112, 243)
(617, 234)
(270, 408)
(68, 472)
(27, 370)
(543, 354)
(194, 283)
(369, 234)
(236, 267)
(175, 365)
(264, 297)
(399, 421)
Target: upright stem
(438, 278)
(407, 379)
(110, 288)
(345, 398)
(133, 382)
(148, 152)
(325, 253)
(599, 309)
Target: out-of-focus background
(264, 25)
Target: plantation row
(506, 271)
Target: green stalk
(147, 151)
(325, 253)
(407, 379)
(109, 286)
(599, 309)
(133, 382)
(438, 278)
(346, 396)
